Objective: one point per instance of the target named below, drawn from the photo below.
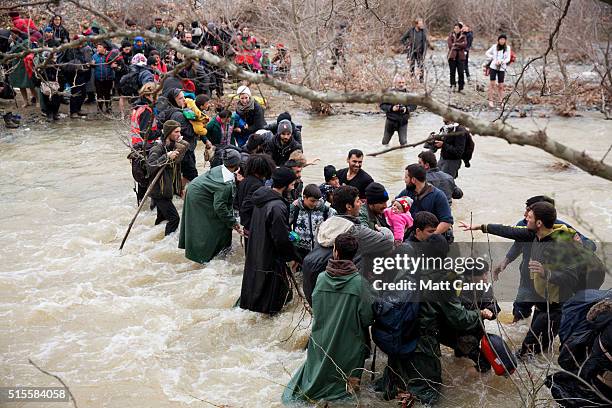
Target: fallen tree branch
(512, 135)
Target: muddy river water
(147, 328)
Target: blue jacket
(431, 199)
(102, 69)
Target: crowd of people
(100, 71)
(319, 236)
(459, 42)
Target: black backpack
(129, 84)
(469, 149)
(140, 173)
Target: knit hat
(231, 158)
(282, 177)
(188, 85)
(243, 89)
(502, 36)
(329, 172)
(283, 116)
(169, 127)
(406, 203)
(284, 126)
(375, 193)
(139, 59)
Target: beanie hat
(329, 172)
(284, 127)
(139, 59)
(231, 158)
(502, 36)
(406, 203)
(282, 177)
(283, 116)
(243, 89)
(375, 193)
(188, 85)
(169, 127)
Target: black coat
(254, 118)
(400, 117)
(280, 152)
(265, 285)
(454, 145)
(169, 182)
(166, 111)
(243, 200)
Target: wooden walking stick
(149, 189)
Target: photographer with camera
(452, 141)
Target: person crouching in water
(166, 157)
(338, 342)
(466, 343)
(399, 218)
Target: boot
(15, 118)
(9, 123)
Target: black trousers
(466, 64)
(456, 67)
(416, 58)
(78, 91)
(104, 91)
(542, 330)
(52, 104)
(166, 211)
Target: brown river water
(147, 328)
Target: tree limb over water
(538, 138)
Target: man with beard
(427, 198)
(556, 267)
(283, 144)
(354, 175)
(397, 115)
(265, 286)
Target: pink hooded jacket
(398, 222)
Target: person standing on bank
(265, 286)
(457, 42)
(397, 115)
(469, 36)
(166, 157)
(354, 175)
(208, 216)
(499, 54)
(416, 42)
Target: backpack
(469, 149)
(140, 172)
(395, 329)
(512, 57)
(129, 84)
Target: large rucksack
(129, 84)
(469, 149)
(137, 158)
(395, 322)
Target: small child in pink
(398, 217)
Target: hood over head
(264, 195)
(331, 228)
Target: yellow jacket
(199, 124)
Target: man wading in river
(166, 157)
(265, 287)
(208, 217)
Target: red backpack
(512, 57)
